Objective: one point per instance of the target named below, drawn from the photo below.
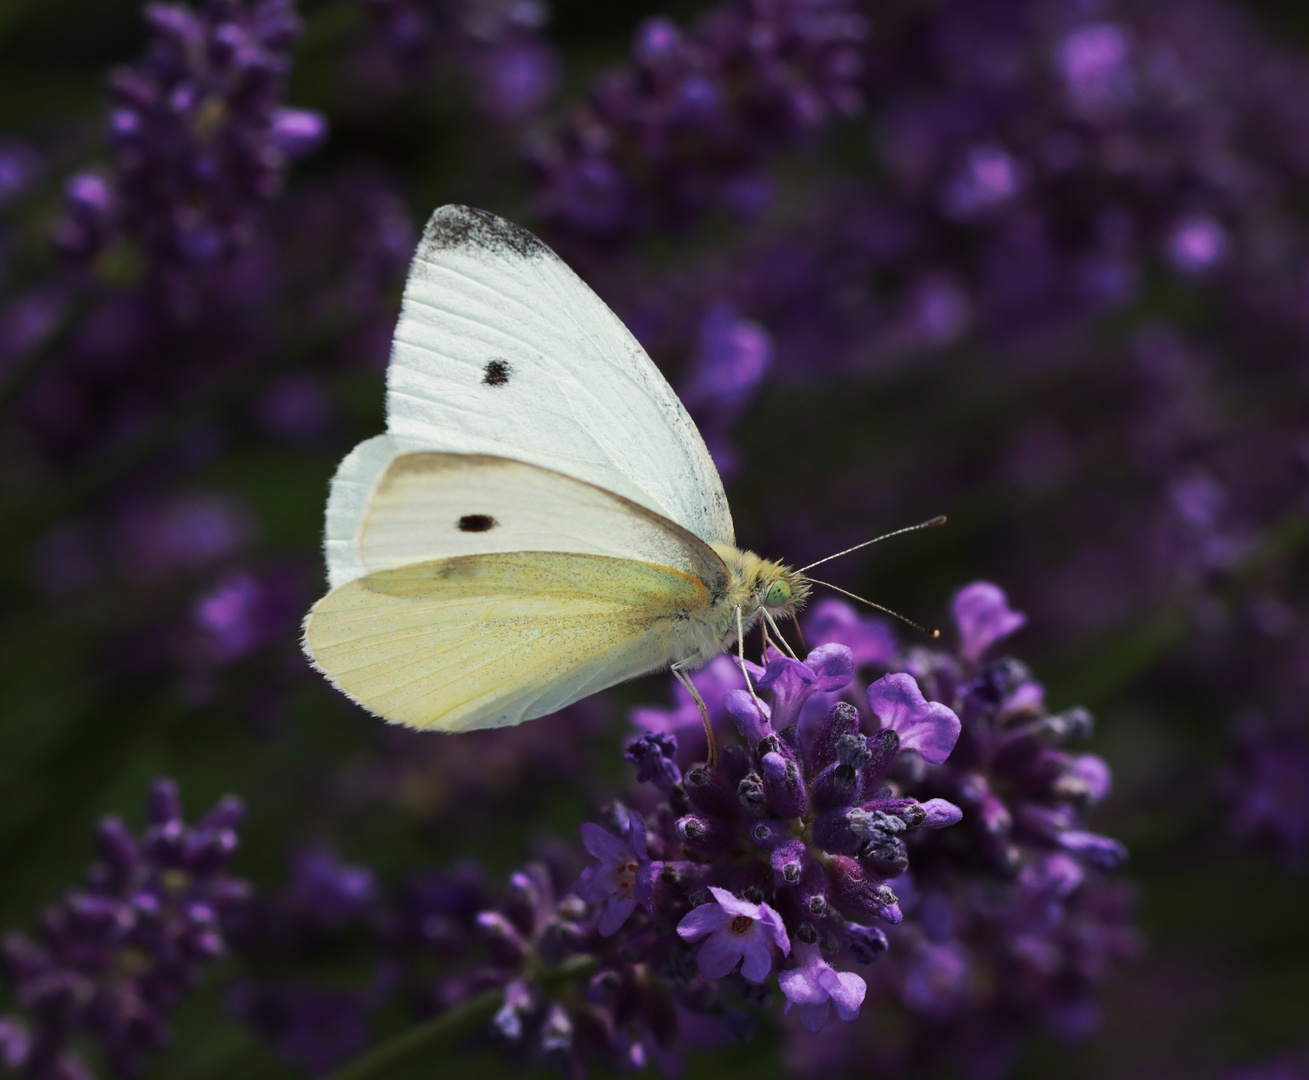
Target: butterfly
(541, 520)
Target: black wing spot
(477, 523)
(460, 226)
(497, 372)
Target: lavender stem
(450, 1025)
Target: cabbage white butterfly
(541, 520)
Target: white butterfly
(541, 520)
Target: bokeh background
(1041, 265)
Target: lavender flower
(926, 726)
(624, 877)
(1005, 921)
(792, 838)
(313, 1028)
(815, 987)
(114, 958)
(735, 932)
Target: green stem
(450, 1026)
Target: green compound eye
(778, 594)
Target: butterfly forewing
(502, 350)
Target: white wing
(390, 509)
(501, 349)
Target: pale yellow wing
(490, 640)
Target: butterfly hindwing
(495, 639)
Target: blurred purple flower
(313, 1028)
(295, 408)
(1288, 1067)
(989, 178)
(1197, 244)
(114, 958)
(1094, 61)
(20, 165)
(184, 532)
(684, 128)
(981, 613)
(870, 639)
(1267, 785)
(200, 140)
(731, 360)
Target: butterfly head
(782, 591)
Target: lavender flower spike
(737, 930)
(982, 614)
(815, 986)
(624, 877)
(926, 726)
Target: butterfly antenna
(931, 633)
(932, 524)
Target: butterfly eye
(778, 594)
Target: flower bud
(841, 719)
(784, 786)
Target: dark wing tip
(456, 226)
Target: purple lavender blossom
(815, 987)
(926, 726)
(499, 48)
(792, 838)
(624, 877)
(655, 756)
(735, 932)
(1016, 933)
(115, 958)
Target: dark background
(92, 705)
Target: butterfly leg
(795, 618)
(740, 654)
(711, 761)
(777, 630)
